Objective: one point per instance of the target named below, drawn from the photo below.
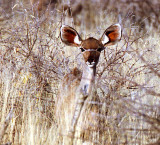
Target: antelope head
(91, 47)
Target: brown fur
(91, 43)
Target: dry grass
(33, 62)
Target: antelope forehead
(91, 47)
(91, 44)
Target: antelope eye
(99, 49)
(82, 49)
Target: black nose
(90, 60)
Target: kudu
(69, 106)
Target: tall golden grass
(34, 62)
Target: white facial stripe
(90, 50)
(76, 40)
(105, 40)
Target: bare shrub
(33, 63)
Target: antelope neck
(87, 79)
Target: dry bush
(34, 62)
(30, 61)
(143, 14)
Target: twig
(5, 124)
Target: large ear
(70, 36)
(111, 35)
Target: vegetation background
(34, 61)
